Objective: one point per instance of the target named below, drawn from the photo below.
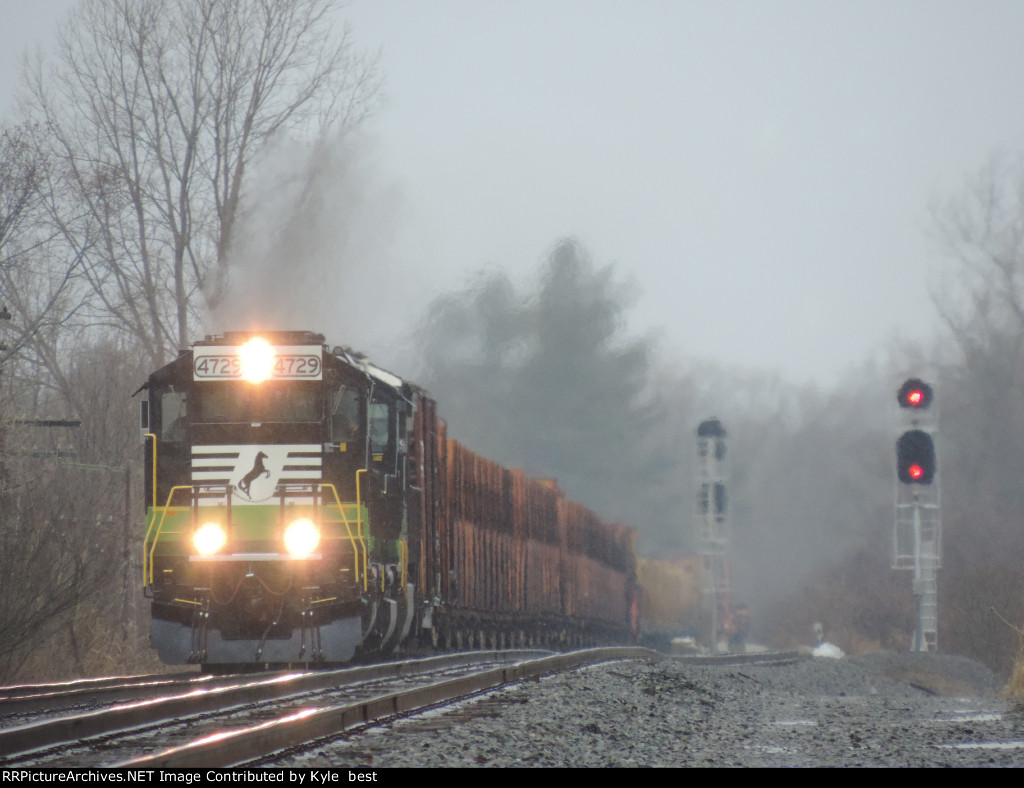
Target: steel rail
(13, 691)
(108, 692)
(239, 746)
(39, 735)
(765, 658)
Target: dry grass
(1014, 689)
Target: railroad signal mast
(917, 536)
(711, 528)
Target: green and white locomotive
(281, 503)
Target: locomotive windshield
(233, 402)
(345, 415)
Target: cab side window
(379, 432)
(173, 416)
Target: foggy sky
(762, 170)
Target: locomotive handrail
(151, 435)
(358, 539)
(148, 552)
(147, 561)
(403, 546)
(359, 511)
(403, 550)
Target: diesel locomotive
(305, 507)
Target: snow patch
(828, 650)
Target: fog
(763, 173)
(313, 249)
(588, 227)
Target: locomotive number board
(228, 362)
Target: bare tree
(37, 277)
(981, 237)
(980, 298)
(19, 185)
(69, 511)
(119, 195)
(156, 110)
(57, 543)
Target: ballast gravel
(875, 710)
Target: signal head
(915, 394)
(915, 457)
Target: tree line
(547, 376)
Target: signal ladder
(918, 547)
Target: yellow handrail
(147, 562)
(358, 539)
(358, 498)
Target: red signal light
(915, 457)
(915, 394)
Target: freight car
(670, 608)
(304, 506)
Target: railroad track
(192, 721)
(247, 716)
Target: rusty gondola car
(307, 507)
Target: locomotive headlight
(301, 538)
(257, 360)
(209, 538)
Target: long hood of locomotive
(255, 471)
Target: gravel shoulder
(882, 710)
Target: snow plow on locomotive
(306, 507)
